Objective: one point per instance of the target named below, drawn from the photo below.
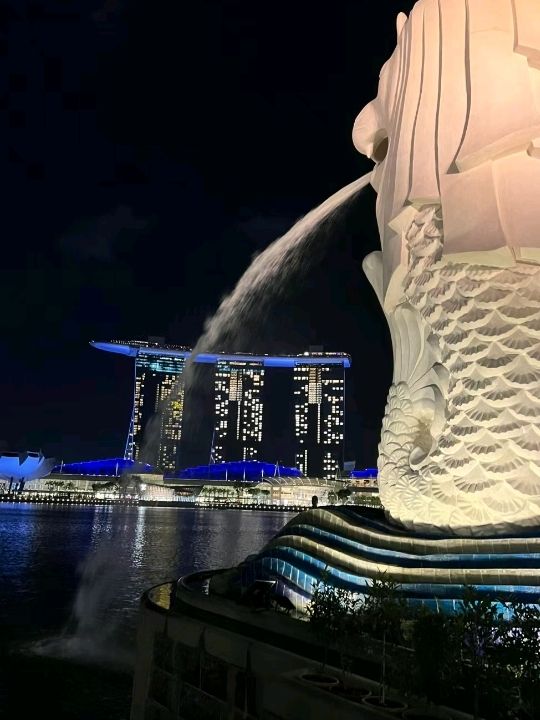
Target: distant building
(256, 415)
(156, 421)
(18, 468)
(319, 418)
(251, 483)
(157, 394)
(238, 410)
(314, 421)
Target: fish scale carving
(475, 393)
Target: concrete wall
(190, 666)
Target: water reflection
(137, 555)
(79, 564)
(72, 578)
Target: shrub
(436, 642)
(329, 611)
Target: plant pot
(395, 707)
(353, 694)
(422, 714)
(320, 679)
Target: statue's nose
(369, 135)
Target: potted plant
(326, 610)
(350, 635)
(382, 613)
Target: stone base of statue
(353, 545)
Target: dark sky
(149, 149)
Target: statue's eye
(380, 149)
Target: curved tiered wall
(355, 545)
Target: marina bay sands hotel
(289, 408)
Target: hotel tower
(300, 421)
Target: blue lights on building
(110, 467)
(134, 349)
(365, 474)
(280, 361)
(310, 422)
(19, 467)
(246, 470)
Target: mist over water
(72, 577)
(92, 633)
(232, 327)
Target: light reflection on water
(120, 551)
(71, 582)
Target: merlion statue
(455, 135)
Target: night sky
(149, 149)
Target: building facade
(283, 408)
(157, 410)
(238, 410)
(158, 400)
(319, 418)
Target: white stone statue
(455, 135)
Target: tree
(384, 608)
(343, 494)
(381, 614)
(482, 628)
(239, 487)
(328, 612)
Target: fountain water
(269, 274)
(91, 634)
(254, 296)
(88, 634)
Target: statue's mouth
(380, 151)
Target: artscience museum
(18, 468)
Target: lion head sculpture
(455, 135)
(456, 121)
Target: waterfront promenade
(89, 499)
